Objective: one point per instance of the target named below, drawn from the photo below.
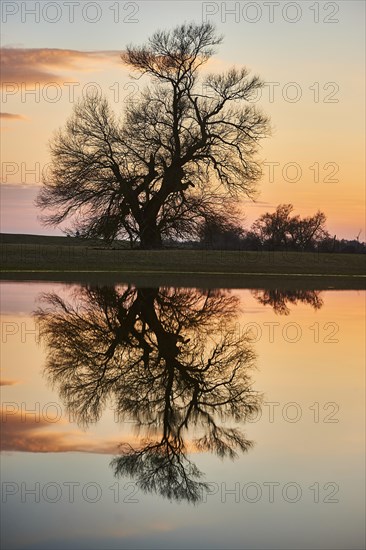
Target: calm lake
(174, 418)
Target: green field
(41, 257)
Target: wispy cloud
(43, 65)
(12, 116)
(29, 434)
(8, 382)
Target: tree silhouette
(221, 233)
(184, 151)
(279, 230)
(164, 359)
(279, 298)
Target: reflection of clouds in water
(9, 382)
(160, 356)
(27, 433)
(167, 358)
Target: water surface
(179, 417)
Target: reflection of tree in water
(278, 299)
(161, 358)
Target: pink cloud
(43, 65)
(12, 116)
(8, 382)
(25, 434)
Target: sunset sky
(310, 54)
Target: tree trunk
(150, 236)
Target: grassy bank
(56, 256)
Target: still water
(182, 418)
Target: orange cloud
(8, 382)
(43, 65)
(12, 116)
(25, 434)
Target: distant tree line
(279, 230)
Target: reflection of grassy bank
(22, 253)
(194, 281)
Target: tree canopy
(183, 152)
(170, 359)
(280, 230)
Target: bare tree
(307, 231)
(272, 228)
(170, 359)
(279, 299)
(183, 151)
(219, 232)
(280, 230)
